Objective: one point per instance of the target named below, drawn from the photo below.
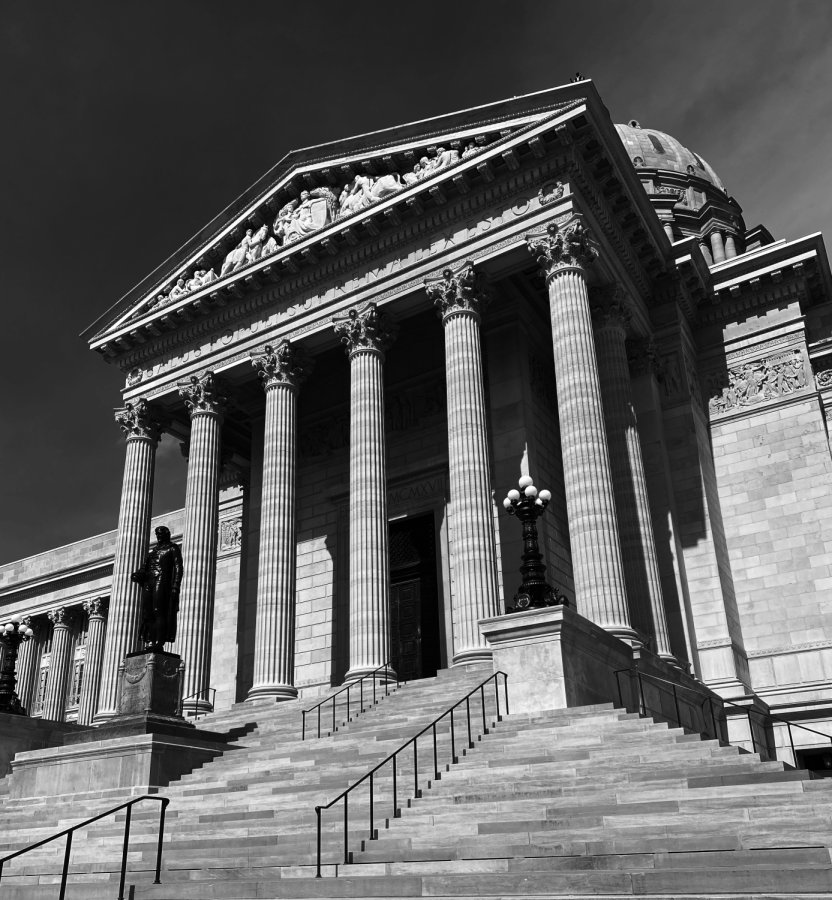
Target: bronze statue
(160, 578)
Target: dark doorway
(414, 598)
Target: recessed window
(657, 144)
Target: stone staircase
(568, 803)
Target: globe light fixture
(527, 504)
(12, 635)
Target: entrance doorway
(414, 598)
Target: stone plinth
(554, 658)
(150, 682)
(132, 764)
(19, 734)
(146, 745)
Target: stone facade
(561, 300)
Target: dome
(655, 149)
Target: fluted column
(282, 370)
(27, 659)
(368, 335)
(205, 397)
(142, 423)
(460, 295)
(564, 255)
(97, 611)
(54, 702)
(611, 315)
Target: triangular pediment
(319, 188)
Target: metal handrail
(394, 756)
(70, 831)
(360, 683)
(198, 696)
(709, 700)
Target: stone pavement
(567, 803)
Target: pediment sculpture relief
(313, 210)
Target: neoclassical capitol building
(364, 353)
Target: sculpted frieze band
(314, 210)
(468, 221)
(756, 382)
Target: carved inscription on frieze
(756, 382)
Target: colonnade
(615, 570)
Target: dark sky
(129, 125)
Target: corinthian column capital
(562, 248)
(610, 308)
(367, 331)
(459, 291)
(61, 617)
(643, 358)
(140, 420)
(97, 607)
(205, 395)
(284, 364)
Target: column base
(473, 656)
(382, 674)
(625, 633)
(276, 692)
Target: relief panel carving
(756, 382)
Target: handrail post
(791, 741)
(505, 690)
(395, 797)
(361, 691)
(346, 830)
(348, 704)
(303, 729)
(319, 720)
(751, 731)
(641, 694)
(436, 774)
(497, 695)
(468, 714)
(676, 702)
(415, 769)
(375, 702)
(164, 805)
(482, 699)
(371, 805)
(453, 739)
(318, 814)
(618, 688)
(65, 874)
(334, 704)
(124, 852)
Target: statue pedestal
(144, 747)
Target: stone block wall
(774, 472)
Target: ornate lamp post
(527, 504)
(13, 634)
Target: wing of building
(365, 352)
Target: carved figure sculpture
(359, 193)
(316, 210)
(178, 290)
(255, 245)
(160, 578)
(236, 259)
(470, 150)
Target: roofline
(526, 104)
